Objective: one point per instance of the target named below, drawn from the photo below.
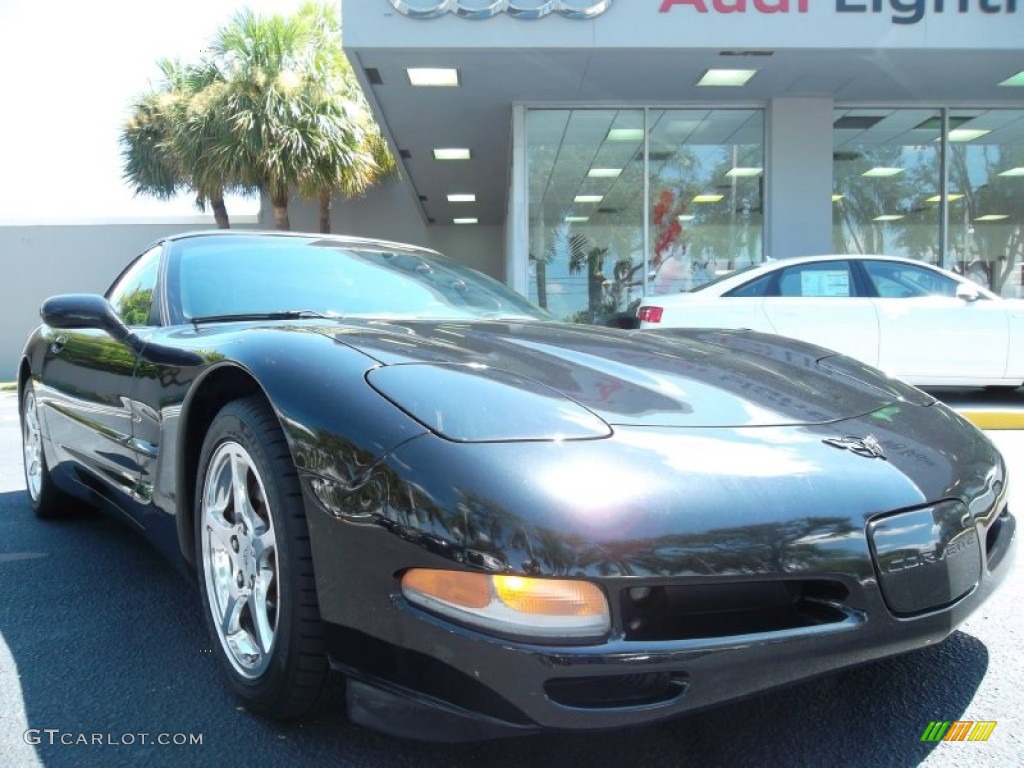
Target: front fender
(334, 423)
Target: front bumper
(768, 598)
(427, 679)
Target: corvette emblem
(868, 446)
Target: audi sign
(486, 9)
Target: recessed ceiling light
(468, 220)
(837, 198)
(889, 217)
(1013, 172)
(707, 198)
(604, 173)
(461, 198)
(882, 172)
(741, 173)
(938, 198)
(588, 198)
(967, 134)
(1017, 80)
(726, 77)
(433, 76)
(451, 153)
(993, 217)
(626, 134)
(576, 219)
(686, 217)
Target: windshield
(229, 277)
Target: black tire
(252, 550)
(1003, 389)
(48, 501)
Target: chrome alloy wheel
(32, 443)
(239, 552)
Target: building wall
(389, 213)
(682, 24)
(40, 261)
(798, 219)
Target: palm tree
(150, 165)
(346, 164)
(275, 108)
(591, 260)
(297, 118)
(169, 142)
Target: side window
(753, 289)
(132, 293)
(893, 280)
(831, 279)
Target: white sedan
(916, 322)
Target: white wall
(40, 261)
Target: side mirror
(967, 293)
(86, 310)
(83, 310)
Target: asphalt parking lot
(99, 637)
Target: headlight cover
(512, 605)
(471, 403)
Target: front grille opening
(616, 691)
(694, 611)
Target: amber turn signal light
(521, 605)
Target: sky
(69, 71)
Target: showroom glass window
(986, 198)
(627, 203)
(132, 294)
(888, 189)
(886, 171)
(706, 177)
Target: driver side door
(86, 383)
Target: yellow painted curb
(995, 419)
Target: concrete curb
(988, 419)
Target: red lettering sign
(736, 6)
(666, 5)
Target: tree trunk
(220, 211)
(280, 203)
(595, 290)
(542, 283)
(326, 198)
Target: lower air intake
(616, 691)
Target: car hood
(677, 379)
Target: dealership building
(590, 152)
(604, 150)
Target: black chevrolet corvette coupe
(383, 467)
